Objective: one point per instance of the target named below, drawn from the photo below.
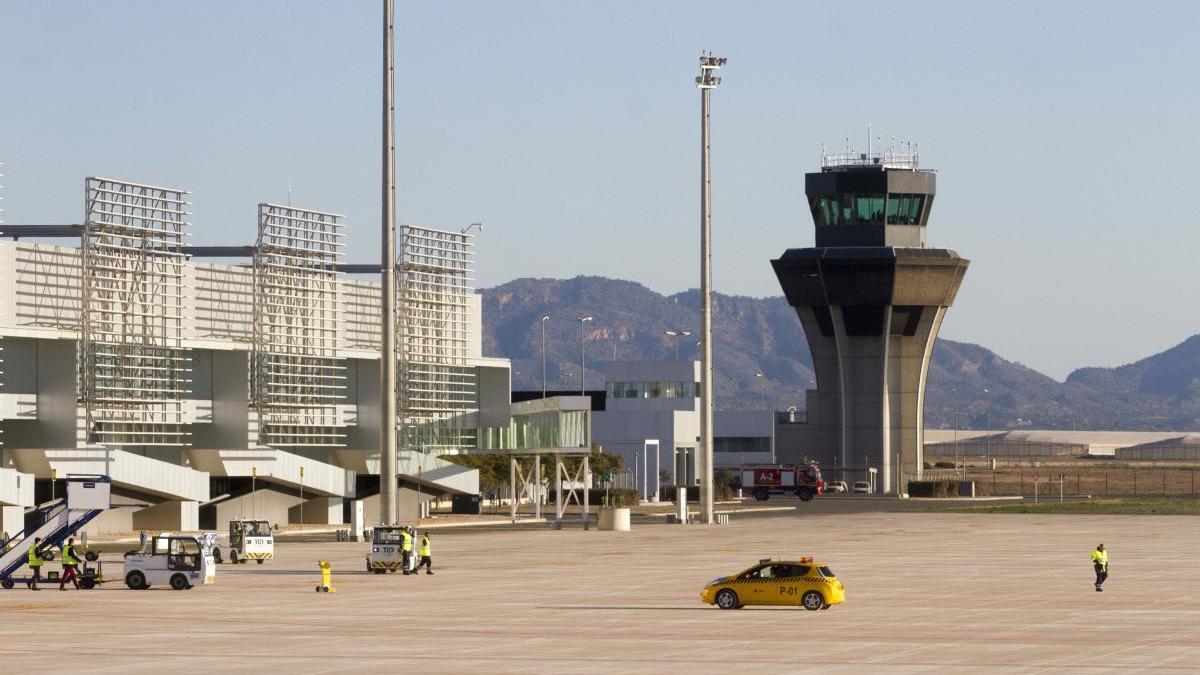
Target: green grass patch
(1114, 506)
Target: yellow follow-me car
(802, 582)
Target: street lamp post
(582, 361)
(762, 397)
(706, 81)
(677, 334)
(545, 318)
(987, 437)
(954, 393)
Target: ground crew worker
(1100, 563)
(406, 545)
(70, 561)
(426, 556)
(35, 564)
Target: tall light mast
(707, 80)
(387, 278)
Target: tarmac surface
(926, 592)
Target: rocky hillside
(763, 335)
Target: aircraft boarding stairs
(87, 497)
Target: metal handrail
(889, 160)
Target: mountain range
(763, 335)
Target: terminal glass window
(742, 444)
(550, 429)
(653, 389)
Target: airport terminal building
(248, 384)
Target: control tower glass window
(848, 209)
(825, 210)
(904, 209)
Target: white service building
(659, 400)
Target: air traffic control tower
(871, 297)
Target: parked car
(862, 487)
(838, 486)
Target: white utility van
(182, 561)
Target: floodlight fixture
(709, 64)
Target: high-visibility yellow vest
(406, 541)
(424, 546)
(68, 555)
(1100, 557)
(35, 558)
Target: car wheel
(727, 599)
(804, 494)
(217, 556)
(233, 559)
(135, 580)
(7, 584)
(812, 600)
(179, 582)
(87, 584)
(762, 495)
(261, 561)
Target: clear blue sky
(1065, 136)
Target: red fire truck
(803, 480)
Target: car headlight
(718, 580)
(375, 549)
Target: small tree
(604, 462)
(724, 484)
(493, 469)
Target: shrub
(623, 498)
(933, 488)
(724, 483)
(944, 465)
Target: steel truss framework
(298, 379)
(134, 372)
(527, 485)
(436, 387)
